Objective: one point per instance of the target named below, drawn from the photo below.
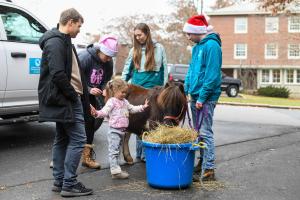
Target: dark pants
(68, 144)
(92, 124)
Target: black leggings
(92, 124)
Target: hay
(170, 135)
(211, 185)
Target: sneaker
(77, 190)
(51, 164)
(209, 175)
(122, 175)
(56, 187)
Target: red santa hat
(197, 25)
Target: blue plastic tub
(169, 166)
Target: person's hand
(199, 105)
(104, 93)
(96, 92)
(93, 111)
(146, 104)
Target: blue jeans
(207, 135)
(68, 145)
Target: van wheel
(232, 91)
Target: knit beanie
(108, 45)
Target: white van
(20, 57)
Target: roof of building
(250, 8)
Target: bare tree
(222, 4)
(275, 6)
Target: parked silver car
(20, 60)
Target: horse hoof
(130, 163)
(129, 160)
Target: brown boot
(209, 175)
(87, 157)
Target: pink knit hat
(109, 45)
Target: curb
(260, 105)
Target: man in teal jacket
(203, 84)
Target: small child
(117, 109)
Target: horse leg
(126, 151)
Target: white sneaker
(122, 175)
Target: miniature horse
(167, 105)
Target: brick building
(259, 48)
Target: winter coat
(55, 92)
(96, 73)
(203, 79)
(147, 79)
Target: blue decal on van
(34, 65)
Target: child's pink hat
(109, 45)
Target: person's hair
(137, 49)
(70, 14)
(114, 86)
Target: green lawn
(251, 99)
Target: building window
(271, 25)
(265, 76)
(294, 51)
(294, 24)
(240, 51)
(298, 76)
(271, 51)
(240, 25)
(289, 76)
(270, 76)
(276, 75)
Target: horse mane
(172, 97)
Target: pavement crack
(255, 152)
(255, 139)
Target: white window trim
(277, 28)
(261, 76)
(240, 57)
(292, 57)
(289, 24)
(235, 25)
(271, 57)
(294, 77)
(271, 77)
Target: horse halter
(175, 118)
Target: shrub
(271, 91)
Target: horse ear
(167, 85)
(181, 87)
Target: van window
(19, 26)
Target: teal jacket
(147, 79)
(203, 79)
